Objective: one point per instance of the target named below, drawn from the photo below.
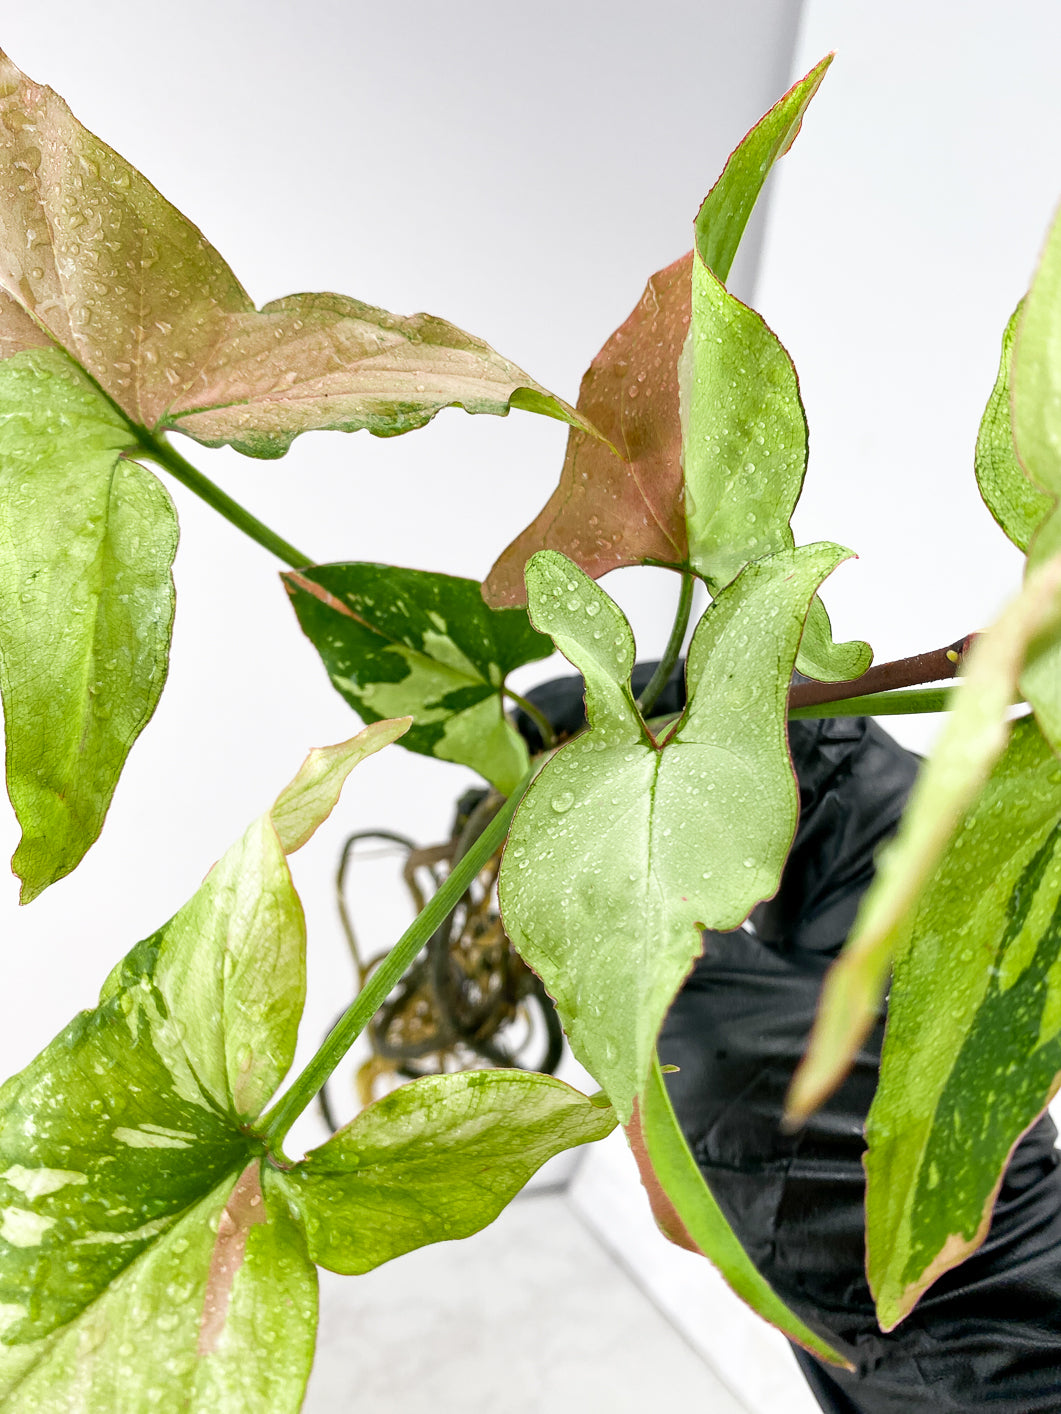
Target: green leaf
(398, 641)
(135, 1247)
(434, 1160)
(161, 323)
(722, 218)
(626, 500)
(687, 1212)
(973, 738)
(622, 851)
(1036, 377)
(87, 541)
(744, 429)
(972, 1051)
(1017, 505)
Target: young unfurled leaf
(434, 1160)
(973, 739)
(398, 641)
(745, 441)
(972, 1051)
(621, 850)
(687, 1213)
(1016, 504)
(132, 291)
(1036, 378)
(87, 541)
(135, 1247)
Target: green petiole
(275, 1124)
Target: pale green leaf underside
(135, 294)
(400, 641)
(744, 432)
(974, 1017)
(704, 1222)
(87, 541)
(621, 851)
(432, 1161)
(974, 737)
(1016, 504)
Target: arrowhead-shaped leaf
(620, 501)
(398, 641)
(135, 1249)
(744, 429)
(431, 1161)
(148, 1241)
(974, 738)
(134, 293)
(622, 850)
(1036, 377)
(1017, 505)
(687, 1212)
(87, 540)
(972, 1052)
(740, 431)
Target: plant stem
(658, 681)
(537, 716)
(880, 704)
(274, 1126)
(935, 666)
(167, 456)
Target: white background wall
(520, 171)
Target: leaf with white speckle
(972, 1052)
(397, 641)
(136, 1250)
(158, 320)
(433, 1161)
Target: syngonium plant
(157, 1244)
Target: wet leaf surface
(1036, 379)
(136, 1250)
(1017, 505)
(406, 642)
(138, 298)
(621, 850)
(687, 1213)
(434, 1160)
(972, 1051)
(87, 541)
(705, 478)
(974, 737)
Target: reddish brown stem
(922, 668)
